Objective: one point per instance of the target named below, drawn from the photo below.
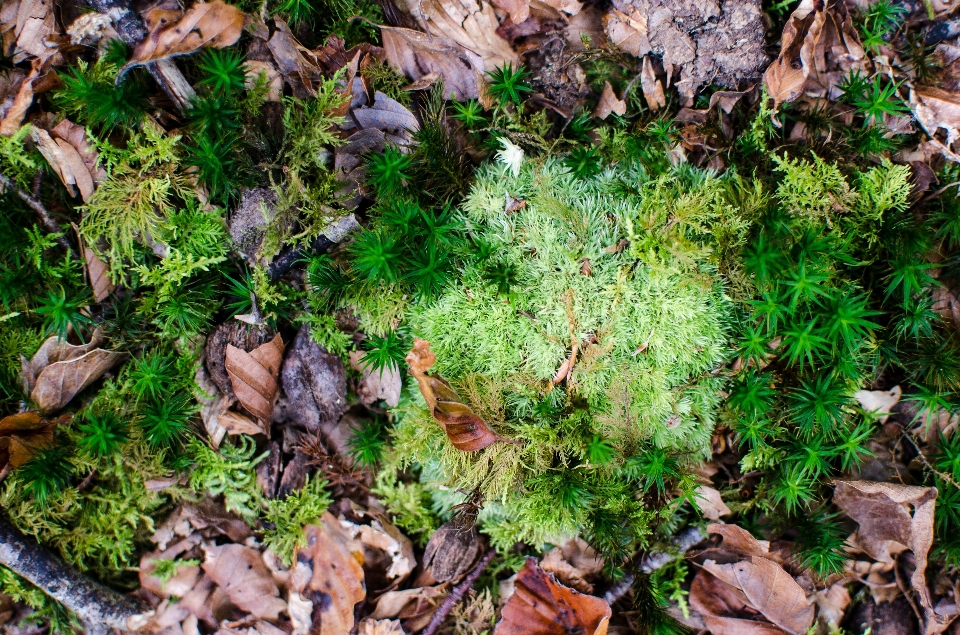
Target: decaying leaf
(417, 54)
(388, 116)
(936, 109)
(215, 24)
(609, 103)
(893, 518)
(464, 428)
(380, 627)
(651, 86)
(879, 402)
(726, 594)
(99, 275)
(254, 70)
(450, 554)
(72, 157)
(60, 370)
(387, 553)
(574, 563)
(542, 606)
(22, 435)
(472, 24)
(328, 575)
(29, 24)
(253, 376)
(710, 503)
(11, 115)
(297, 64)
(377, 385)
(415, 607)
(243, 576)
(237, 423)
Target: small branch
(457, 594)
(101, 609)
(34, 203)
(683, 543)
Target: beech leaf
(253, 376)
(22, 435)
(60, 370)
(215, 24)
(417, 54)
(542, 606)
(245, 578)
(466, 431)
(13, 116)
(328, 574)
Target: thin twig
(35, 204)
(946, 477)
(457, 594)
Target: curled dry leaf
(466, 431)
(879, 402)
(60, 370)
(253, 376)
(380, 627)
(893, 518)
(574, 563)
(609, 103)
(390, 117)
(29, 24)
(718, 603)
(254, 70)
(375, 386)
(72, 157)
(417, 54)
(243, 576)
(651, 86)
(328, 575)
(22, 435)
(415, 607)
(21, 88)
(99, 275)
(710, 503)
(215, 24)
(297, 64)
(471, 24)
(542, 606)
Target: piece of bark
(98, 607)
(314, 385)
(450, 554)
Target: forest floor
(487, 317)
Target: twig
(34, 203)
(683, 543)
(457, 594)
(946, 477)
(100, 609)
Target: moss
(287, 517)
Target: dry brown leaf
(386, 553)
(215, 24)
(718, 602)
(417, 54)
(710, 503)
(243, 576)
(375, 386)
(651, 86)
(472, 24)
(380, 627)
(574, 563)
(297, 64)
(14, 113)
(414, 606)
(328, 574)
(236, 423)
(253, 376)
(466, 431)
(768, 589)
(935, 109)
(893, 518)
(390, 117)
(879, 402)
(609, 103)
(60, 370)
(542, 606)
(66, 162)
(22, 435)
(254, 70)
(29, 23)
(99, 275)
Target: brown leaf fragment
(30, 23)
(22, 435)
(14, 113)
(215, 24)
(380, 627)
(236, 423)
(710, 503)
(60, 370)
(328, 574)
(651, 86)
(722, 606)
(99, 275)
(254, 70)
(66, 163)
(768, 589)
(415, 607)
(390, 117)
(893, 518)
(417, 54)
(253, 376)
(243, 576)
(466, 431)
(609, 103)
(542, 606)
(574, 563)
(376, 385)
(297, 64)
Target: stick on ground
(457, 594)
(100, 608)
